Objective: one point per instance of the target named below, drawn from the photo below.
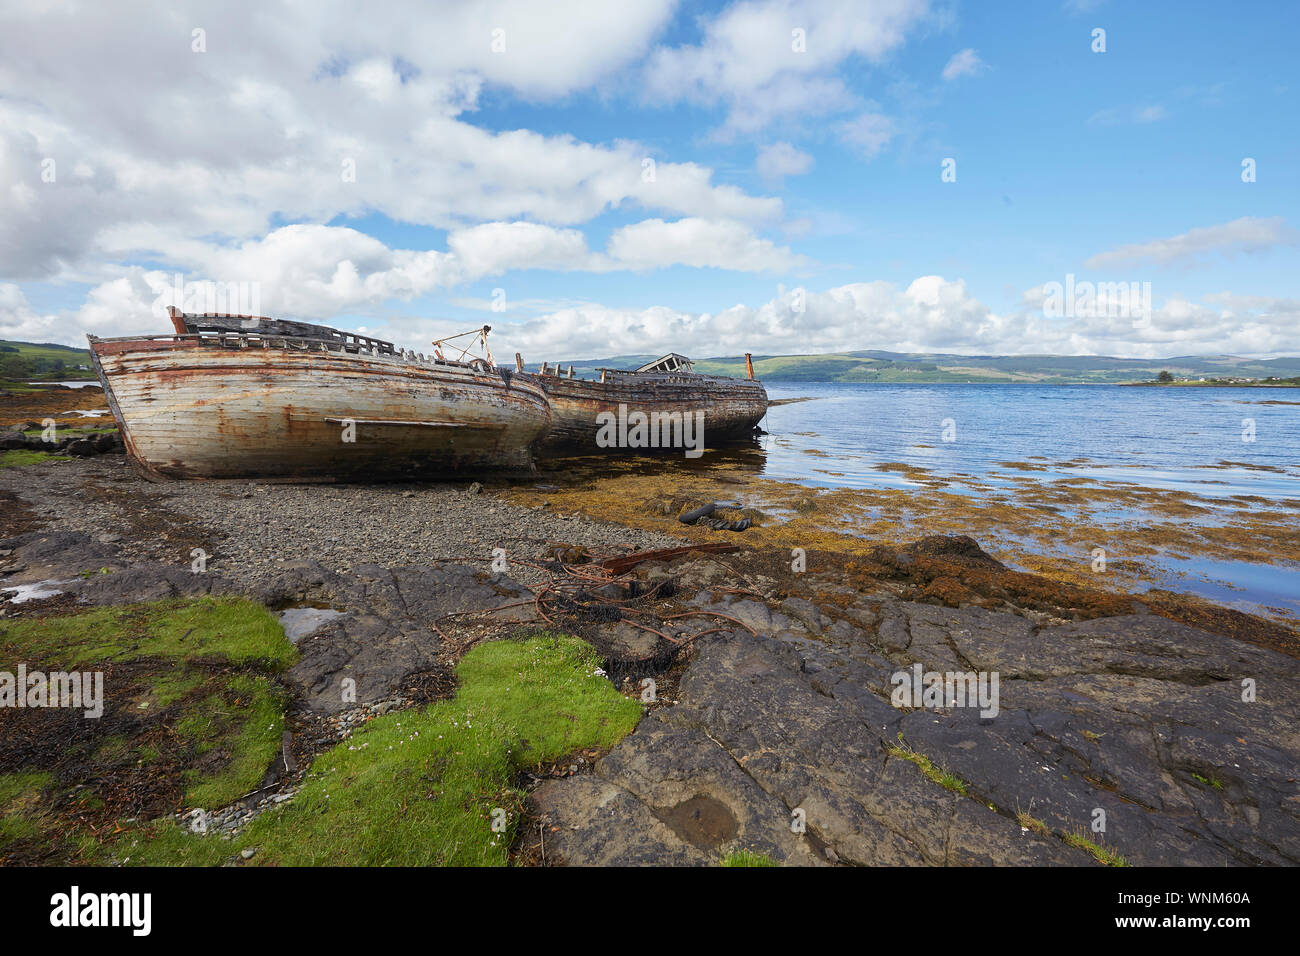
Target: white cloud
(869, 133)
(1124, 115)
(750, 59)
(119, 306)
(778, 160)
(316, 272)
(931, 314)
(496, 247)
(654, 243)
(153, 142)
(964, 63)
(1248, 234)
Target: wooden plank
(377, 421)
(196, 412)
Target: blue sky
(513, 172)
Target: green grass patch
(943, 778)
(748, 858)
(433, 786)
(1033, 823)
(71, 431)
(20, 805)
(21, 457)
(191, 700)
(244, 723)
(238, 630)
(1099, 852)
(166, 688)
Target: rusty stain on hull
(237, 405)
(732, 407)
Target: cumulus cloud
(1248, 234)
(698, 242)
(317, 272)
(119, 306)
(496, 247)
(779, 160)
(868, 133)
(116, 137)
(964, 63)
(931, 314)
(768, 59)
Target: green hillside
(25, 361)
(876, 366)
(879, 366)
(43, 362)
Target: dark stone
(388, 632)
(959, 549)
(1137, 716)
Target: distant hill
(923, 367)
(26, 361)
(45, 361)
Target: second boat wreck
(664, 405)
(230, 396)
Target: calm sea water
(1190, 440)
(1174, 438)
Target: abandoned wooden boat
(239, 396)
(663, 405)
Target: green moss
(20, 457)
(199, 697)
(20, 788)
(66, 431)
(20, 805)
(17, 828)
(432, 786)
(236, 629)
(172, 686)
(748, 858)
(1209, 781)
(245, 724)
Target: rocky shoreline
(771, 725)
(247, 530)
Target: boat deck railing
(611, 376)
(253, 340)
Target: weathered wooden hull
(731, 407)
(190, 407)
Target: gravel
(244, 530)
